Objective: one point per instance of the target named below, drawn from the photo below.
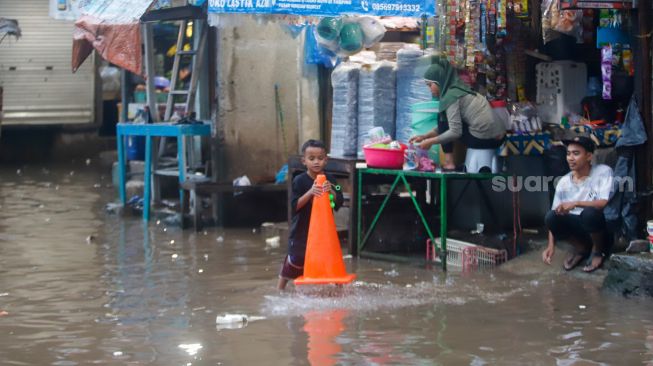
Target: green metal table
(400, 176)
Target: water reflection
(142, 285)
(323, 329)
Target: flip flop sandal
(573, 260)
(590, 267)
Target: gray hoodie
(475, 111)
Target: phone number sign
(403, 8)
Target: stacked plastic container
(411, 65)
(344, 129)
(376, 100)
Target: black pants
(590, 221)
(467, 139)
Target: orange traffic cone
(323, 263)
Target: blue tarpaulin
(403, 8)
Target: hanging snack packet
(627, 58)
(606, 71)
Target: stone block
(630, 275)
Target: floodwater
(80, 286)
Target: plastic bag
(351, 38)
(281, 175)
(110, 79)
(316, 54)
(633, 132)
(294, 29)
(348, 35)
(524, 118)
(569, 22)
(373, 31)
(548, 10)
(561, 21)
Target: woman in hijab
(464, 115)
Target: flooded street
(82, 286)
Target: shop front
(353, 75)
(550, 71)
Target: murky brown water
(140, 294)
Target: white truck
(35, 73)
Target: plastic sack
(373, 31)
(411, 64)
(332, 46)
(348, 35)
(314, 53)
(562, 21)
(425, 160)
(344, 126)
(633, 132)
(569, 22)
(351, 38)
(376, 100)
(329, 28)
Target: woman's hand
(426, 143)
(417, 138)
(547, 254)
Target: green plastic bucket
(424, 115)
(424, 119)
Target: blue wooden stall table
(180, 131)
(400, 176)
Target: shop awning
(402, 8)
(111, 27)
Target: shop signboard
(403, 8)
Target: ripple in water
(364, 296)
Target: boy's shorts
(292, 268)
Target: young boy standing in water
(304, 188)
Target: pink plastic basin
(384, 158)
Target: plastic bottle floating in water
(234, 321)
(231, 319)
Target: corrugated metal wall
(39, 86)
